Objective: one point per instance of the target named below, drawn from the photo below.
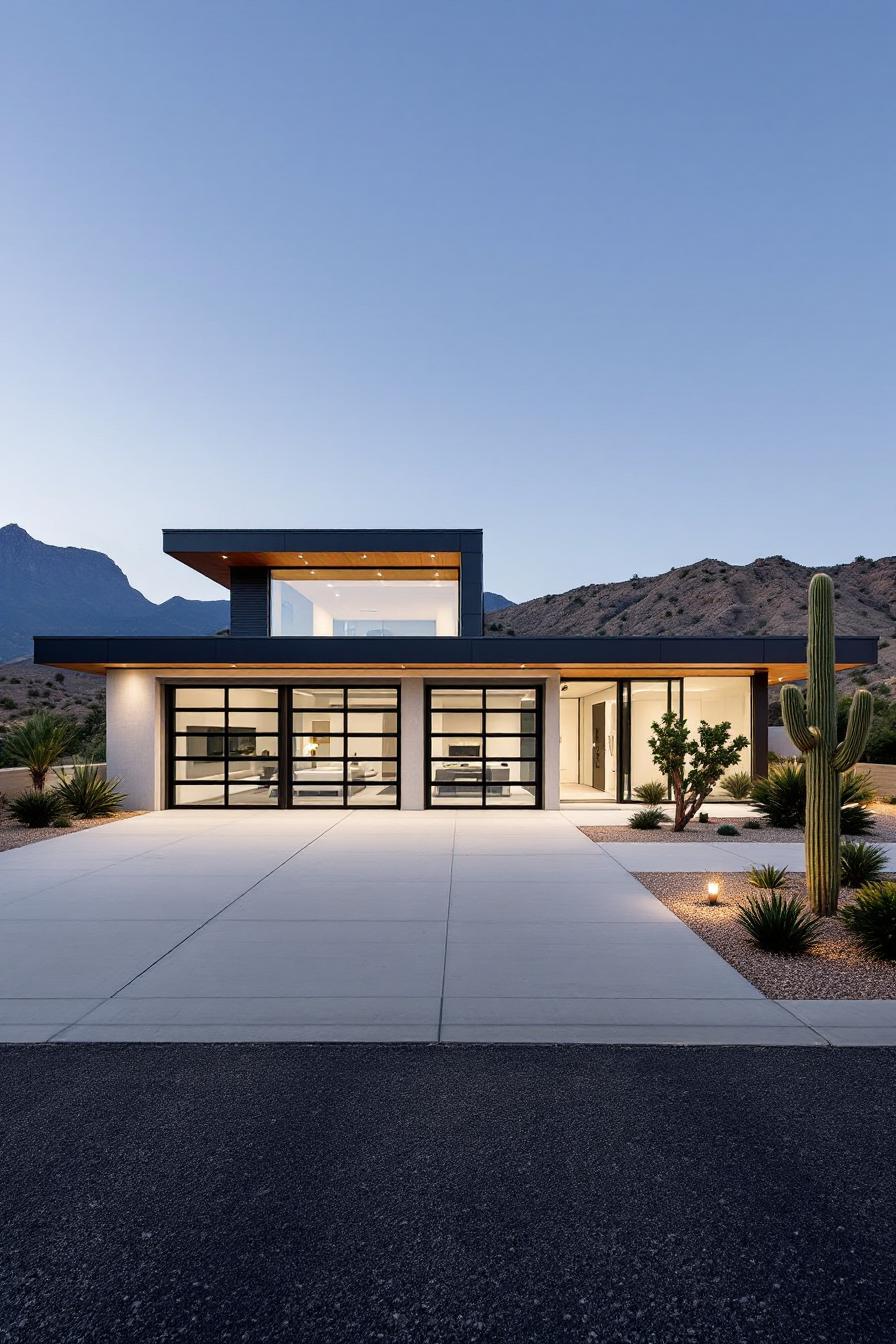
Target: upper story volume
(365, 583)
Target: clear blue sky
(612, 280)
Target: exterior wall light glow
(712, 893)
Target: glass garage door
(224, 746)
(484, 746)
(344, 746)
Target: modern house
(356, 674)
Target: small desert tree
(693, 766)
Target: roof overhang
(215, 552)
(782, 657)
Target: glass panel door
(224, 746)
(344, 746)
(484, 746)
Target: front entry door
(598, 737)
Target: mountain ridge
(712, 597)
(69, 590)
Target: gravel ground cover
(884, 830)
(13, 835)
(836, 968)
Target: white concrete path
(418, 926)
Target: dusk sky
(613, 281)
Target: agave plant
(38, 743)
(86, 793)
(766, 877)
(738, 784)
(872, 918)
(648, 819)
(861, 863)
(856, 791)
(780, 796)
(38, 807)
(779, 923)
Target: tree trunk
(822, 833)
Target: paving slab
(88, 958)
(312, 957)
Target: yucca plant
(738, 784)
(38, 743)
(86, 794)
(778, 923)
(871, 916)
(861, 863)
(653, 792)
(38, 807)
(767, 877)
(856, 791)
(780, 796)
(648, 819)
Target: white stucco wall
(551, 769)
(412, 731)
(134, 735)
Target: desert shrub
(737, 784)
(780, 796)
(856, 791)
(778, 923)
(872, 918)
(653, 792)
(86, 794)
(727, 829)
(648, 819)
(752, 824)
(37, 807)
(703, 817)
(861, 863)
(767, 877)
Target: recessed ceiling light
(223, 557)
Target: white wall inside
(569, 741)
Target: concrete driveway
(356, 926)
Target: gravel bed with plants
(884, 830)
(13, 834)
(836, 967)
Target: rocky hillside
(25, 688)
(65, 590)
(711, 597)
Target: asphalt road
(342, 1193)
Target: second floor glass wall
(364, 602)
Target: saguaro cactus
(812, 725)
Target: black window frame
(282, 778)
(345, 710)
(537, 736)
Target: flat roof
(782, 656)
(214, 552)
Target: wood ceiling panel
(217, 567)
